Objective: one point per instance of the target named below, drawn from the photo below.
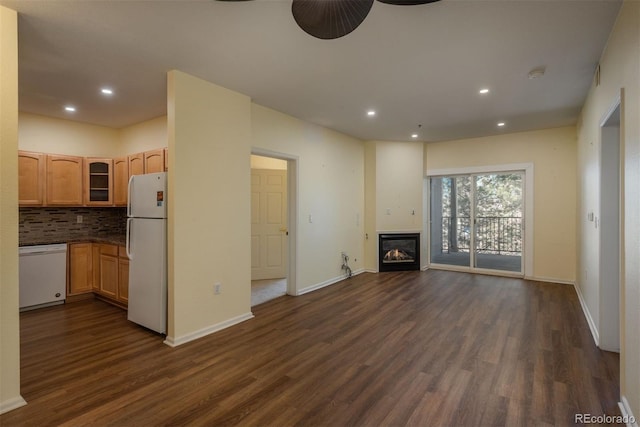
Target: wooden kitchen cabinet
(123, 275)
(64, 180)
(120, 181)
(166, 159)
(98, 182)
(136, 164)
(109, 271)
(61, 180)
(154, 161)
(112, 273)
(95, 260)
(31, 178)
(80, 267)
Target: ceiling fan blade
(407, 2)
(330, 19)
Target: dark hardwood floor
(429, 348)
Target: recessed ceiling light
(501, 124)
(106, 91)
(484, 91)
(371, 113)
(415, 135)
(70, 108)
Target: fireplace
(399, 252)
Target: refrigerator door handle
(129, 195)
(128, 240)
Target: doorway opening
(271, 214)
(611, 180)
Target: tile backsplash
(57, 225)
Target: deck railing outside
(494, 235)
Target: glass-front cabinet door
(98, 182)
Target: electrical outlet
(79, 219)
(217, 288)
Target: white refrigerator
(147, 250)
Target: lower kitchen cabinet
(113, 273)
(95, 261)
(80, 269)
(99, 268)
(123, 279)
(109, 271)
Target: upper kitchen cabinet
(136, 164)
(120, 181)
(154, 161)
(31, 179)
(98, 182)
(64, 180)
(166, 159)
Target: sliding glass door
(476, 221)
(498, 221)
(450, 220)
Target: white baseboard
(176, 341)
(11, 404)
(549, 280)
(587, 315)
(328, 282)
(627, 415)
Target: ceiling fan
(331, 19)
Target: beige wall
(399, 178)
(9, 319)
(371, 243)
(51, 135)
(56, 136)
(330, 190)
(144, 136)
(620, 68)
(394, 191)
(553, 154)
(209, 131)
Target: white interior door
(268, 224)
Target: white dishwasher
(43, 275)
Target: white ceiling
(415, 65)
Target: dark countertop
(113, 239)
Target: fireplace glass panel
(399, 252)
